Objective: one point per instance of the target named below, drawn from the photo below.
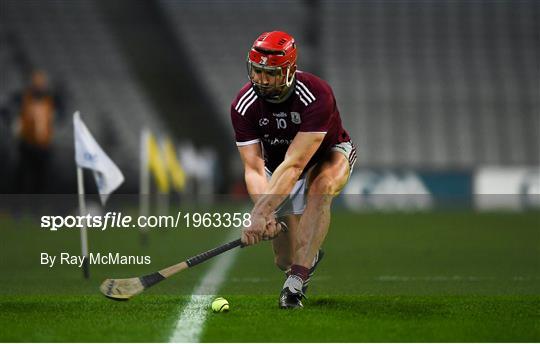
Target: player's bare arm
(286, 174)
(254, 174)
(256, 181)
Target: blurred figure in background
(34, 130)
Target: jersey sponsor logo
(277, 142)
(295, 118)
(279, 114)
(263, 122)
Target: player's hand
(255, 232)
(272, 229)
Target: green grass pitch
(441, 276)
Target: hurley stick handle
(202, 257)
(223, 248)
(195, 260)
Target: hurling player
(296, 157)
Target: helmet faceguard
(271, 65)
(270, 83)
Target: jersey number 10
(281, 123)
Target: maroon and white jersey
(310, 108)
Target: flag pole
(108, 177)
(163, 198)
(82, 212)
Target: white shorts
(295, 203)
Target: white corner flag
(88, 154)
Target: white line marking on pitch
(190, 323)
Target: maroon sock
(300, 271)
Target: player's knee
(324, 185)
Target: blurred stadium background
(441, 97)
(436, 94)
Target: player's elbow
(254, 177)
(254, 170)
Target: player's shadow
(379, 306)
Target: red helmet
(272, 65)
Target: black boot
(291, 294)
